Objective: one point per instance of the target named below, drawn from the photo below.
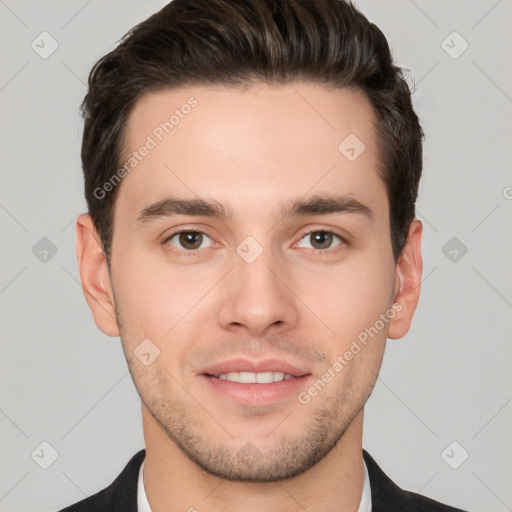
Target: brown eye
(321, 240)
(189, 240)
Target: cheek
(157, 299)
(353, 305)
(143, 293)
(350, 299)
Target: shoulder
(387, 496)
(120, 495)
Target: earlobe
(92, 264)
(409, 269)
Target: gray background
(63, 382)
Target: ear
(94, 275)
(407, 283)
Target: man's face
(257, 291)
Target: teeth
(264, 377)
(247, 378)
(254, 378)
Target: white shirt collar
(142, 499)
(143, 505)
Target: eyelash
(343, 242)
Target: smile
(254, 378)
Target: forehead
(257, 146)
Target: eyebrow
(321, 204)
(176, 206)
(318, 204)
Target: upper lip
(244, 365)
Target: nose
(256, 300)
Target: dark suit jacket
(121, 495)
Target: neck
(173, 482)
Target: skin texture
(254, 151)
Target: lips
(244, 366)
(254, 384)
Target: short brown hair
(236, 43)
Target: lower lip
(256, 394)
